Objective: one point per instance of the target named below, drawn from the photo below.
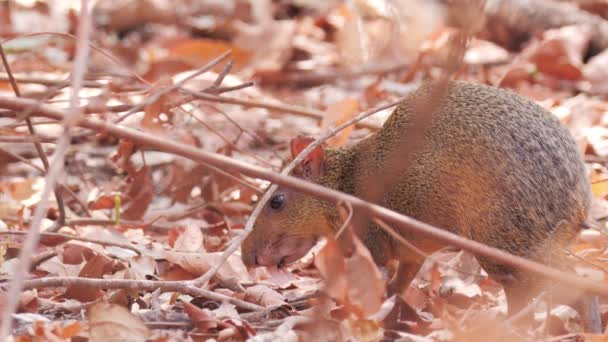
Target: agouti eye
(277, 201)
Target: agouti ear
(311, 167)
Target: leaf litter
(316, 66)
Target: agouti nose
(263, 259)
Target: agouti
(492, 166)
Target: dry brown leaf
(96, 267)
(579, 113)
(354, 281)
(560, 52)
(68, 331)
(199, 263)
(110, 322)
(165, 68)
(54, 267)
(234, 208)
(278, 277)
(202, 319)
(55, 331)
(367, 284)
(5, 19)
(190, 240)
(126, 14)
(143, 266)
(198, 52)
(139, 194)
(352, 39)
(122, 156)
(20, 190)
(158, 114)
(596, 72)
(416, 298)
(599, 185)
(517, 73)
(595, 337)
(75, 254)
(105, 201)
(330, 263)
(264, 296)
(277, 38)
(336, 114)
(482, 52)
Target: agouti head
(291, 222)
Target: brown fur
(493, 167)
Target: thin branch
(35, 139)
(245, 130)
(21, 124)
(390, 217)
(46, 81)
(221, 90)
(283, 108)
(220, 78)
(42, 257)
(155, 96)
(308, 78)
(223, 138)
(108, 222)
(68, 237)
(185, 287)
(347, 221)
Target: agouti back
(492, 166)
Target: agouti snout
(493, 167)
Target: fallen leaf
(165, 68)
(233, 270)
(128, 14)
(96, 267)
(336, 114)
(158, 114)
(343, 280)
(330, 263)
(202, 319)
(483, 52)
(190, 240)
(264, 295)
(139, 195)
(226, 310)
(198, 52)
(367, 292)
(105, 201)
(277, 38)
(110, 322)
(143, 266)
(122, 156)
(352, 39)
(74, 254)
(596, 72)
(560, 51)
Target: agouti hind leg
(406, 272)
